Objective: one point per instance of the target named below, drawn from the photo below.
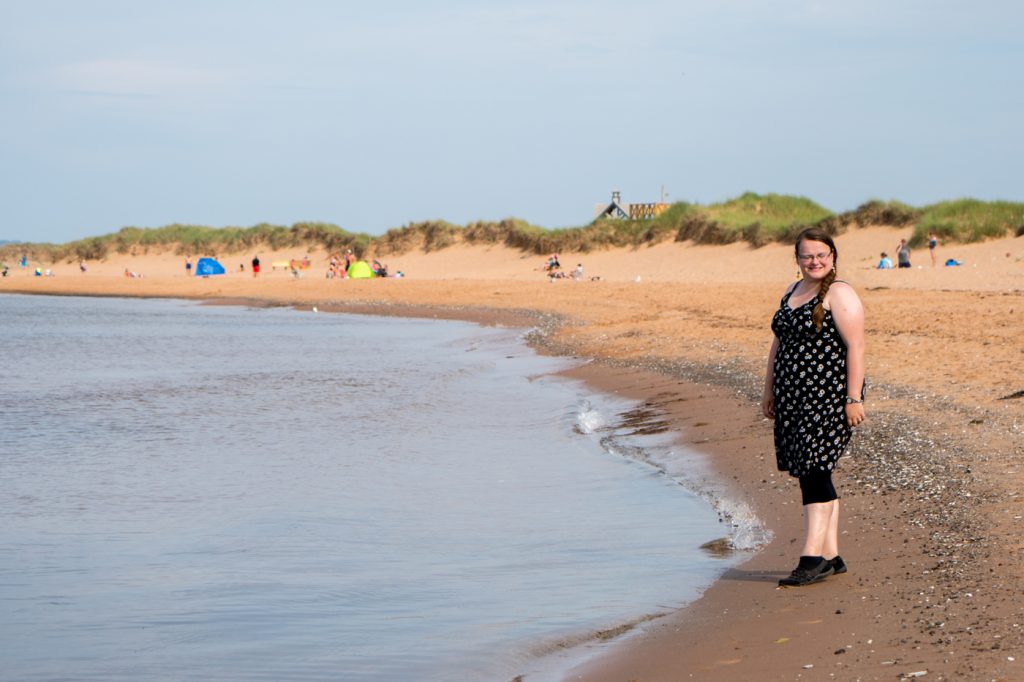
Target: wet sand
(930, 485)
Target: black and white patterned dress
(809, 389)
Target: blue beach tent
(208, 266)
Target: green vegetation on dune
(430, 235)
(969, 220)
(773, 211)
(194, 239)
(757, 219)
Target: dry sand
(931, 510)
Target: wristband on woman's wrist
(854, 401)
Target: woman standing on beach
(933, 241)
(903, 254)
(814, 390)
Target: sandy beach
(930, 485)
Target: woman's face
(815, 260)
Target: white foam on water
(588, 419)
(687, 468)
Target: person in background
(814, 392)
(885, 263)
(188, 265)
(933, 241)
(903, 254)
(255, 266)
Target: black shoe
(811, 569)
(838, 565)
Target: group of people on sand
(903, 254)
(338, 265)
(296, 266)
(5, 269)
(576, 274)
(554, 271)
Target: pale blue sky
(372, 115)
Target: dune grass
(194, 240)
(969, 220)
(774, 212)
(753, 218)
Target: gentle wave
(628, 435)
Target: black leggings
(817, 487)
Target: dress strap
(789, 292)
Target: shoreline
(863, 623)
(929, 484)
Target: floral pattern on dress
(809, 390)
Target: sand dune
(988, 266)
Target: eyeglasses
(808, 257)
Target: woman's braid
(818, 314)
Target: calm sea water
(196, 492)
